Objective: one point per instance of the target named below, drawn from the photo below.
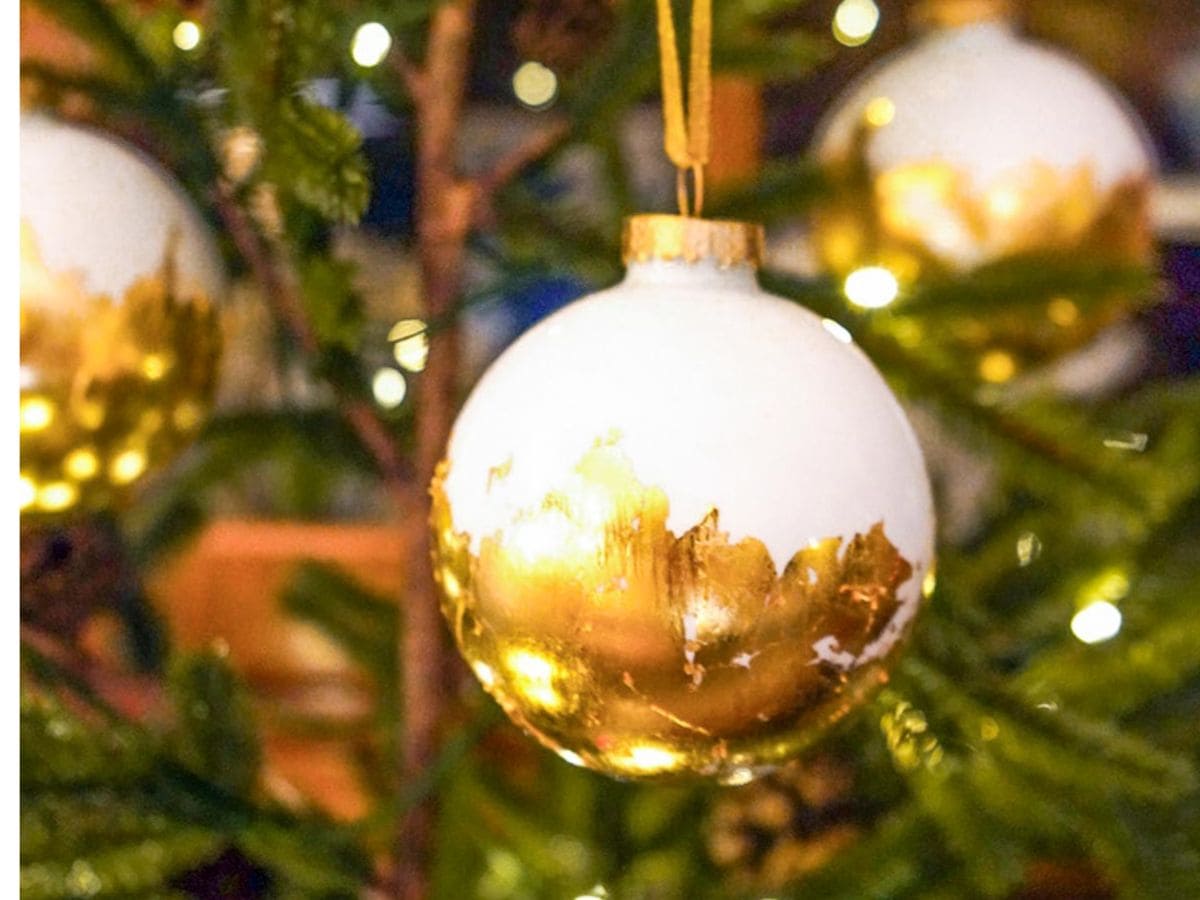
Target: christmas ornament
(119, 332)
(682, 525)
(975, 146)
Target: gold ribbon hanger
(687, 134)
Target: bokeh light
(855, 21)
(871, 287)
(186, 35)
(411, 344)
(370, 45)
(389, 388)
(534, 85)
(1097, 622)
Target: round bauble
(119, 330)
(974, 146)
(682, 526)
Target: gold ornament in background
(928, 219)
(109, 388)
(640, 653)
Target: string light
(871, 287)
(389, 388)
(186, 35)
(535, 85)
(370, 44)
(854, 22)
(412, 344)
(997, 366)
(1097, 622)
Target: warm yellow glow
(389, 388)
(880, 112)
(186, 35)
(36, 413)
(533, 676)
(370, 44)
(127, 466)
(855, 21)
(535, 85)
(1004, 201)
(81, 464)
(1062, 312)
(451, 585)
(646, 759)
(26, 492)
(1097, 622)
(989, 729)
(997, 366)
(57, 495)
(412, 344)
(929, 584)
(154, 366)
(485, 674)
(871, 287)
(599, 892)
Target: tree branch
(282, 294)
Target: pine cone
(68, 573)
(775, 830)
(561, 34)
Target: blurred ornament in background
(972, 147)
(119, 327)
(682, 527)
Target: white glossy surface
(721, 395)
(989, 102)
(101, 208)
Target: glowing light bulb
(370, 44)
(26, 492)
(389, 388)
(57, 495)
(36, 413)
(535, 85)
(855, 21)
(1097, 622)
(127, 466)
(412, 344)
(871, 287)
(997, 367)
(187, 35)
(81, 464)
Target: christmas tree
(1035, 736)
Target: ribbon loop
(687, 133)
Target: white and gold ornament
(119, 331)
(974, 146)
(682, 525)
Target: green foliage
(365, 625)
(214, 734)
(267, 51)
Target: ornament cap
(666, 237)
(955, 13)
